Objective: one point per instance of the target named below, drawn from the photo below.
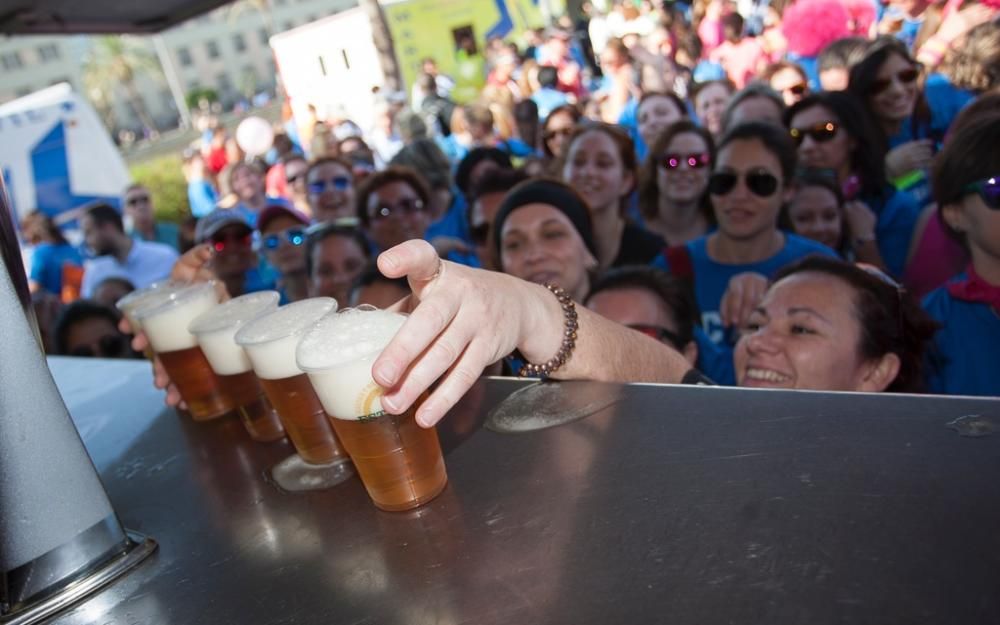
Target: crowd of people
(786, 195)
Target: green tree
(115, 62)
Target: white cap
(338, 352)
(216, 329)
(270, 339)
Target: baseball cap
(217, 220)
(273, 211)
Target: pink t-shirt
(740, 60)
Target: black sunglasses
(988, 190)
(905, 77)
(109, 346)
(760, 183)
(138, 199)
(820, 133)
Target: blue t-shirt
(201, 197)
(945, 101)
(47, 262)
(965, 355)
(897, 213)
(711, 278)
(455, 224)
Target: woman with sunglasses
(330, 184)
(833, 132)
(392, 206)
(673, 185)
(966, 182)
(788, 79)
(600, 164)
(282, 237)
(556, 131)
(751, 180)
(913, 117)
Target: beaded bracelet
(545, 369)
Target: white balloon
(254, 136)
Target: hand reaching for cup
(463, 319)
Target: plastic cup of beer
(165, 321)
(131, 302)
(269, 342)
(400, 463)
(216, 330)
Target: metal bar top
(649, 504)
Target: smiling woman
(825, 324)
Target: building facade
(225, 50)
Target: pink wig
(862, 14)
(810, 25)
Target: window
(184, 57)
(213, 49)
(223, 82)
(263, 36)
(11, 60)
(239, 43)
(48, 52)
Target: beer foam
(270, 339)
(338, 352)
(130, 303)
(165, 320)
(216, 330)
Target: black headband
(551, 193)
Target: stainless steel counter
(684, 505)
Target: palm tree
(382, 39)
(115, 62)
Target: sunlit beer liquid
(197, 383)
(215, 332)
(258, 416)
(304, 420)
(399, 462)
